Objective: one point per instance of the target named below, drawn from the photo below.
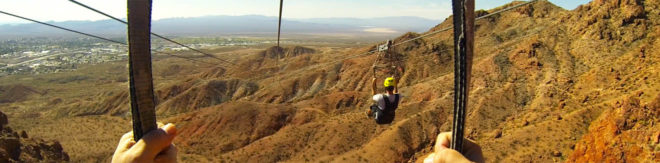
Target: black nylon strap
(388, 104)
(391, 106)
(463, 49)
(139, 63)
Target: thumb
(449, 155)
(157, 140)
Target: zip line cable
(479, 18)
(372, 51)
(93, 36)
(419, 37)
(279, 28)
(317, 65)
(154, 34)
(506, 9)
(279, 24)
(58, 27)
(449, 28)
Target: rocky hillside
(627, 129)
(19, 147)
(544, 80)
(548, 85)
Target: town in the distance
(47, 55)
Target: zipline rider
(383, 111)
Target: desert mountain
(548, 85)
(542, 77)
(225, 25)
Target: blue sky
(61, 10)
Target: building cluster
(48, 55)
(55, 59)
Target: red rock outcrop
(15, 147)
(627, 133)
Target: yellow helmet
(389, 82)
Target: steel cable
(420, 37)
(93, 36)
(154, 34)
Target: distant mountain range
(230, 25)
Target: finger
(160, 124)
(156, 141)
(127, 136)
(167, 156)
(443, 141)
(449, 155)
(473, 151)
(125, 143)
